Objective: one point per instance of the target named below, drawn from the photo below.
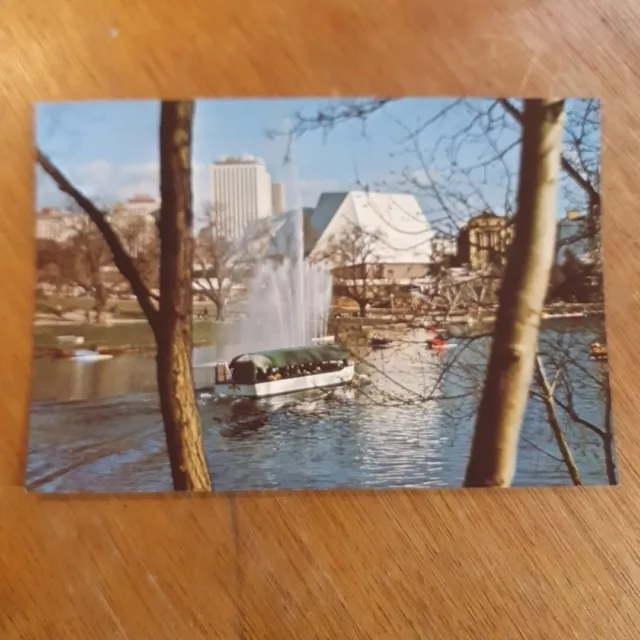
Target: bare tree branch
(122, 259)
(554, 423)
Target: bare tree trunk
(609, 452)
(510, 369)
(363, 309)
(101, 300)
(554, 423)
(180, 414)
(221, 310)
(171, 323)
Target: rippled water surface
(97, 427)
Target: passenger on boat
(273, 374)
(598, 350)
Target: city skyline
(241, 193)
(110, 149)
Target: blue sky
(110, 149)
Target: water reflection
(410, 427)
(75, 380)
(241, 419)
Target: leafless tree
(576, 383)
(471, 166)
(223, 263)
(356, 267)
(170, 316)
(510, 369)
(86, 265)
(137, 233)
(51, 259)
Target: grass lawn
(128, 308)
(138, 334)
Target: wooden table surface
(484, 564)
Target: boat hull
(286, 385)
(442, 347)
(96, 358)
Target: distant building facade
(135, 221)
(484, 240)
(389, 228)
(57, 225)
(241, 193)
(278, 200)
(138, 205)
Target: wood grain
(511, 564)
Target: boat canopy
(292, 357)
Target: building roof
(141, 197)
(282, 242)
(396, 221)
(233, 160)
(292, 357)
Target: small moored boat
(439, 344)
(86, 355)
(75, 340)
(273, 373)
(598, 351)
(378, 342)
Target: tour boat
(274, 373)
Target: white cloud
(108, 182)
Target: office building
(484, 240)
(241, 194)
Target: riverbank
(117, 339)
(406, 318)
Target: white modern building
(241, 193)
(358, 227)
(394, 225)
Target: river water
(96, 427)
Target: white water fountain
(288, 301)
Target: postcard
(305, 294)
